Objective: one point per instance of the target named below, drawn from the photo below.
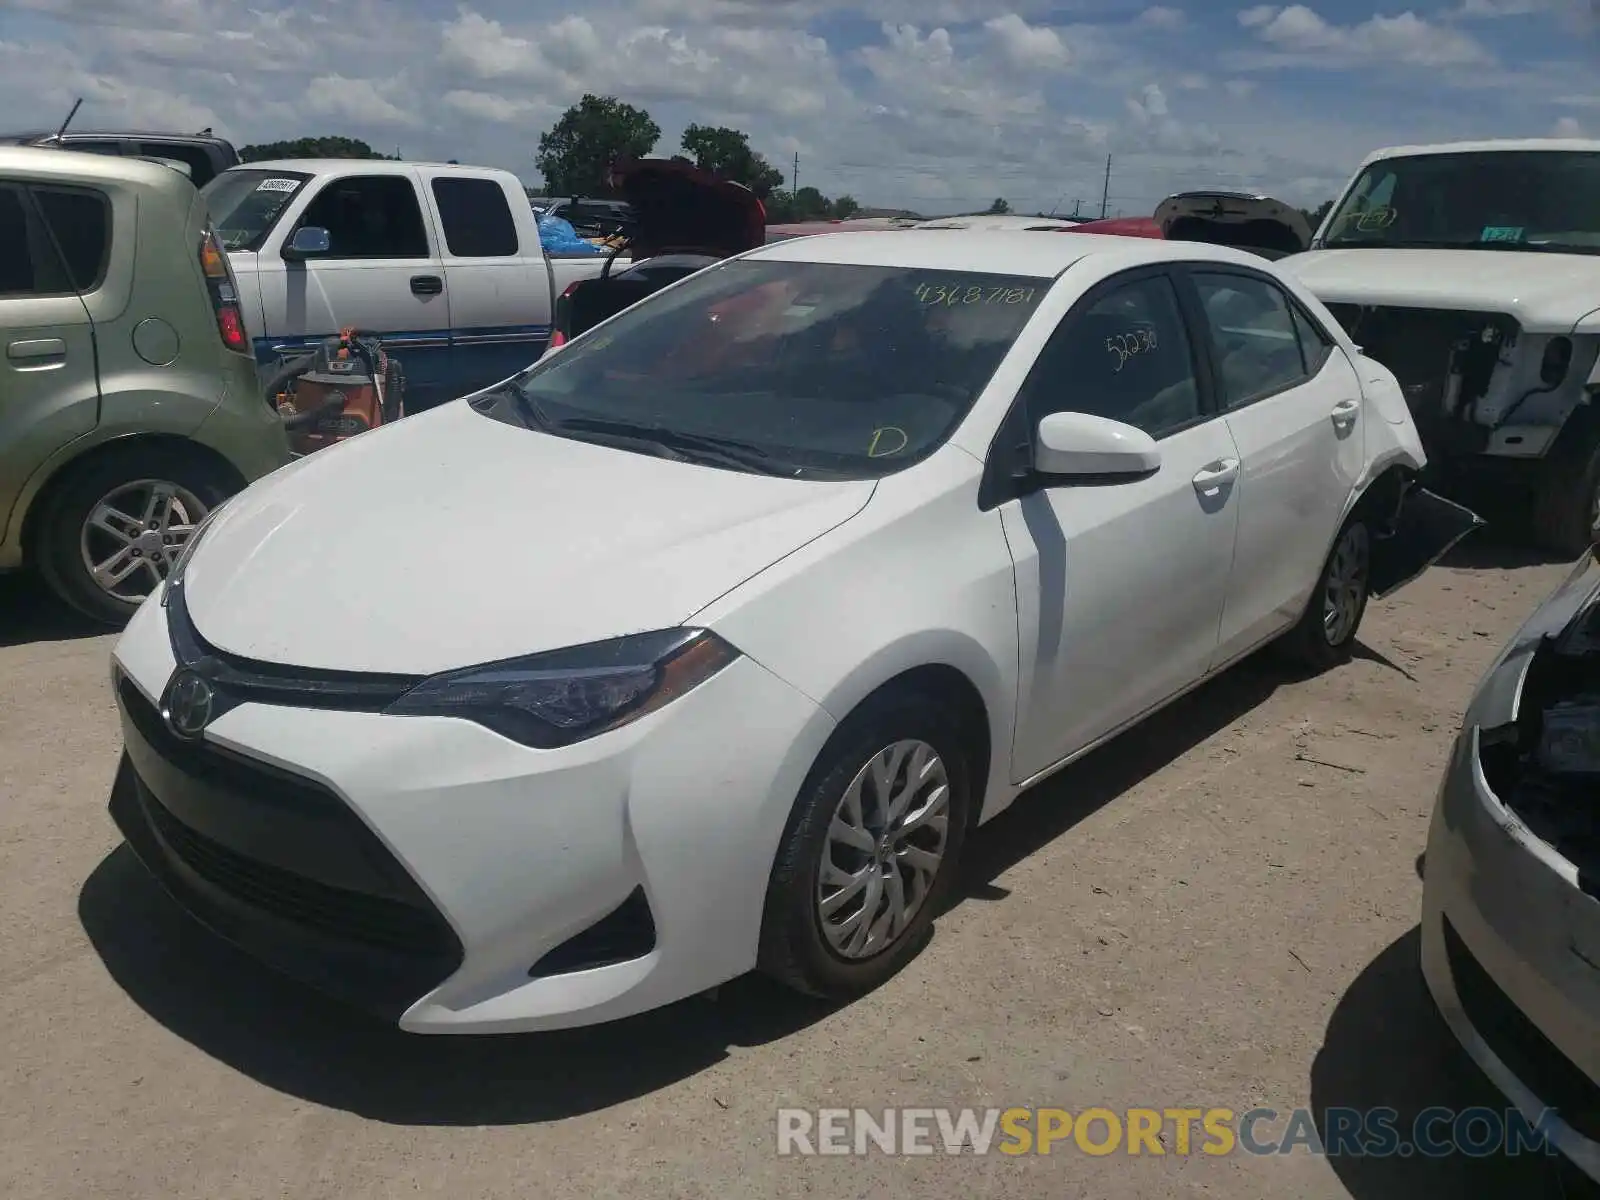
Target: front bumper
(1511, 954)
(437, 874)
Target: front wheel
(1326, 633)
(871, 847)
(111, 530)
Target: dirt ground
(1220, 909)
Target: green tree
(811, 205)
(845, 207)
(999, 208)
(577, 152)
(727, 152)
(312, 147)
(1314, 216)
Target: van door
(49, 387)
(499, 294)
(381, 273)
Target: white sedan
(702, 645)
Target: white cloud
(1030, 46)
(359, 100)
(1239, 88)
(1567, 127)
(1162, 17)
(1406, 38)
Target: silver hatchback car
(1511, 897)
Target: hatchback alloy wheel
(135, 533)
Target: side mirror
(308, 240)
(1071, 445)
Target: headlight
(565, 696)
(181, 563)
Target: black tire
(794, 949)
(60, 538)
(1566, 511)
(1316, 642)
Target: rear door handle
(1345, 413)
(37, 354)
(1209, 480)
(426, 285)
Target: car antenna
(76, 105)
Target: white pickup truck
(443, 262)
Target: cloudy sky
(937, 105)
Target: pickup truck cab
(1472, 271)
(442, 262)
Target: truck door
(499, 292)
(49, 387)
(381, 273)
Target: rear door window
(1253, 336)
(80, 220)
(28, 263)
(477, 220)
(369, 216)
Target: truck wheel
(1566, 516)
(111, 529)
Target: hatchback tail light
(224, 292)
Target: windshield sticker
(277, 185)
(1123, 346)
(961, 294)
(1375, 219)
(888, 440)
(1501, 233)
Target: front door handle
(1212, 479)
(1345, 413)
(37, 354)
(426, 285)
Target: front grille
(1533, 1058)
(287, 819)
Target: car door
(382, 273)
(49, 386)
(499, 293)
(1293, 405)
(1120, 586)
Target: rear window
(80, 220)
(29, 265)
(201, 169)
(820, 370)
(477, 220)
(245, 205)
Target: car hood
(450, 539)
(1240, 219)
(678, 208)
(1546, 293)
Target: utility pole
(794, 179)
(1105, 194)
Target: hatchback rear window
(80, 221)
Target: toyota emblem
(188, 704)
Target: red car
(1268, 227)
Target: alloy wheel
(1344, 587)
(135, 533)
(884, 848)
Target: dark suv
(204, 155)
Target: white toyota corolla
(702, 644)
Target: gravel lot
(1219, 909)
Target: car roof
(369, 166)
(149, 135)
(49, 162)
(1496, 145)
(1043, 254)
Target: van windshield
(802, 369)
(1525, 200)
(245, 205)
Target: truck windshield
(1529, 200)
(245, 205)
(801, 369)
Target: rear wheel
(870, 849)
(1326, 633)
(111, 530)
(1566, 517)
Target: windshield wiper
(688, 447)
(529, 408)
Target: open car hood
(1243, 220)
(680, 209)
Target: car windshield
(244, 205)
(1528, 200)
(809, 370)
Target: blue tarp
(559, 237)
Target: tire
(1566, 512)
(69, 534)
(1325, 635)
(819, 954)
